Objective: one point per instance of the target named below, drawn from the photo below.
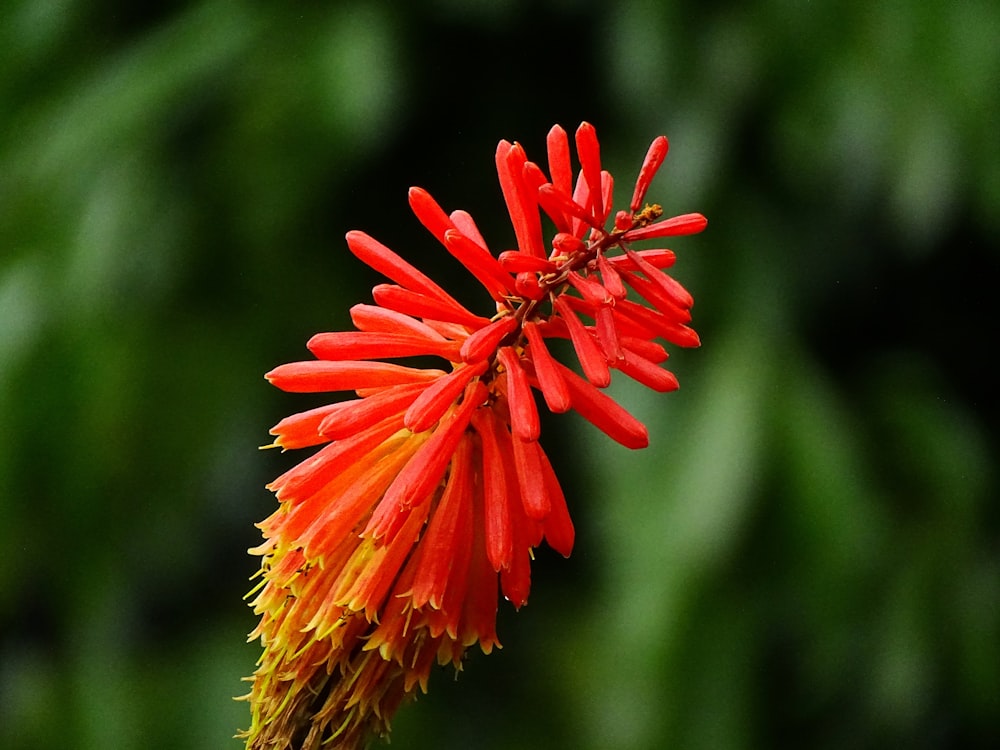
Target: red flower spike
(550, 381)
(427, 493)
(654, 158)
(523, 412)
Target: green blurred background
(808, 554)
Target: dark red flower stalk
(392, 542)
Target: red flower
(390, 542)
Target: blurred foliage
(808, 554)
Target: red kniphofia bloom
(392, 542)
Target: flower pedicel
(392, 542)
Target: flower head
(392, 542)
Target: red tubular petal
(523, 412)
(557, 145)
(647, 373)
(630, 326)
(510, 161)
(458, 553)
(480, 605)
(550, 381)
(607, 195)
(302, 430)
(368, 591)
(670, 286)
(499, 538)
(673, 227)
(429, 213)
(556, 203)
(658, 324)
(589, 152)
(333, 521)
(515, 579)
(514, 261)
(527, 285)
(421, 476)
(644, 348)
(341, 345)
(448, 533)
(431, 405)
(320, 376)
(661, 258)
(420, 305)
(349, 417)
(654, 158)
(558, 526)
(566, 245)
(373, 253)
(304, 479)
(375, 318)
(483, 343)
(592, 359)
(480, 263)
(581, 197)
(530, 478)
(604, 412)
(612, 281)
(590, 290)
(607, 333)
(656, 295)
(534, 179)
(464, 222)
